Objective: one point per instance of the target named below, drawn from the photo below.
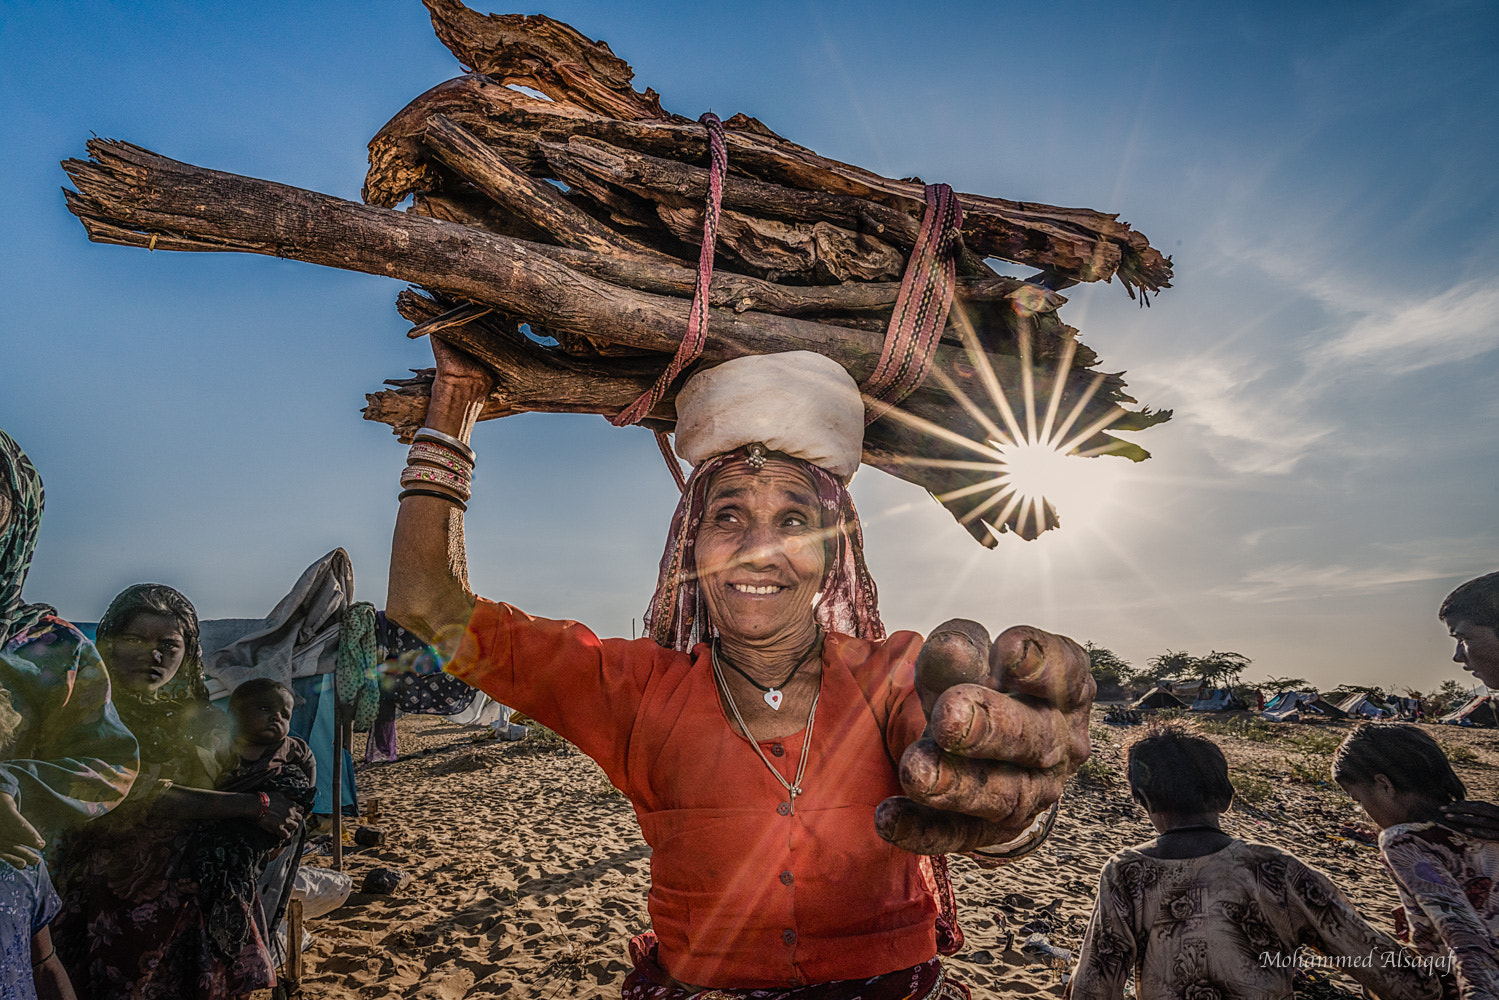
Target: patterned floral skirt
(133, 927)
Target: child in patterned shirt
(1401, 777)
(1196, 914)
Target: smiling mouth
(745, 588)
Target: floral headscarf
(848, 602)
(22, 487)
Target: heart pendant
(773, 699)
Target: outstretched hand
(20, 843)
(1007, 724)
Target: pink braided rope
(926, 294)
(697, 318)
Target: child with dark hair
(1447, 880)
(263, 758)
(1196, 914)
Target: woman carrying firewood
(768, 733)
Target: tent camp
(1360, 704)
(1293, 706)
(1185, 692)
(1157, 698)
(1401, 708)
(1480, 711)
(1219, 700)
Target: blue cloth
(313, 720)
(27, 904)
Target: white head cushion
(800, 403)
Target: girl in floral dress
(1401, 777)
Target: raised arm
(428, 591)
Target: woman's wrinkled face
(146, 654)
(760, 554)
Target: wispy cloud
(1391, 564)
(1296, 580)
(1251, 426)
(1407, 334)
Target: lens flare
(1032, 450)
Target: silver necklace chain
(793, 787)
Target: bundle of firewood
(555, 227)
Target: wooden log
(130, 195)
(536, 202)
(652, 176)
(292, 970)
(775, 249)
(1078, 243)
(531, 378)
(543, 54)
(133, 196)
(742, 292)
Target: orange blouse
(744, 891)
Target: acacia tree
(1221, 669)
(1447, 698)
(1109, 669)
(1280, 685)
(1172, 665)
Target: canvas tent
(1480, 711)
(1218, 700)
(1157, 697)
(1184, 692)
(1361, 704)
(297, 644)
(1401, 708)
(1292, 706)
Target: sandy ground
(529, 874)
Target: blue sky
(1323, 175)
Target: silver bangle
(1024, 844)
(435, 435)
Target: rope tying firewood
(697, 318)
(926, 294)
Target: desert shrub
(1254, 729)
(1319, 743)
(1096, 774)
(1251, 789)
(1308, 770)
(1461, 753)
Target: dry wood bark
(578, 214)
(131, 196)
(1078, 243)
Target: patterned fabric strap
(949, 933)
(697, 318)
(926, 294)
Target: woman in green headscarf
(67, 757)
(72, 759)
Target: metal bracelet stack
(438, 465)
